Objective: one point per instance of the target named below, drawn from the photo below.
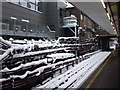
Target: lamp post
(14, 23)
(26, 22)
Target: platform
(107, 75)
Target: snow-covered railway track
(27, 57)
(39, 75)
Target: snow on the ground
(57, 55)
(25, 65)
(91, 68)
(38, 70)
(38, 52)
(3, 79)
(77, 75)
(4, 41)
(24, 45)
(91, 53)
(5, 55)
(19, 41)
(29, 45)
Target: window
(31, 4)
(13, 1)
(23, 3)
(39, 6)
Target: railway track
(24, 68)
(44, 72)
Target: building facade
(33, 19)
(88, 26)
(37, 19)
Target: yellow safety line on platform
(91, 81)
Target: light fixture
(23, 29)
(102, 1)
(14, 18)
(24, 20)
(112, 23)
(31, 30)
(108, 15)
(115, 31)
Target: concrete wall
(53, 17)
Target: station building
(22, 19)
(38, 19)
